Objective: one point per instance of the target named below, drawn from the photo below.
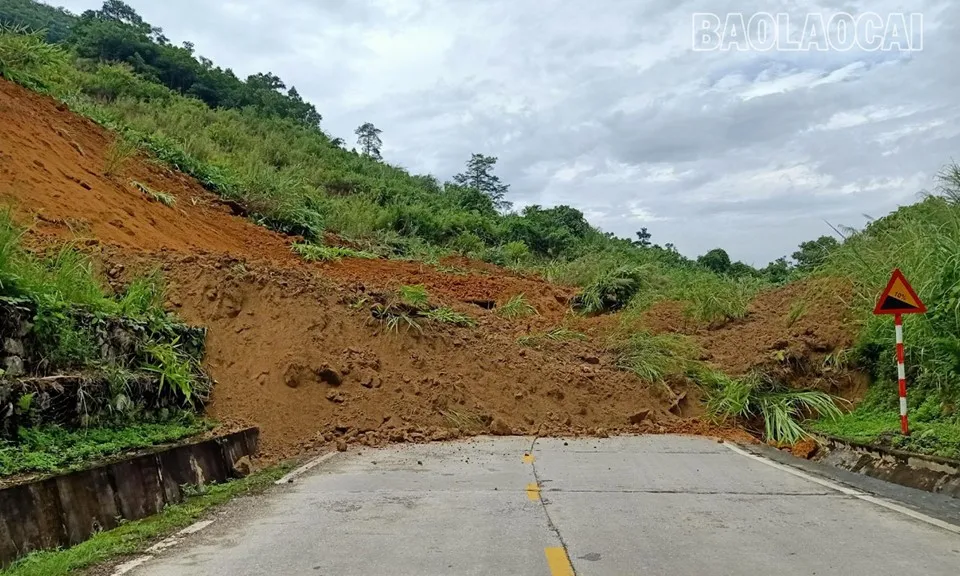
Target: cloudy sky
(605, 106)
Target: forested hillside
(255, 140)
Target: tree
(479, 175)
(643, 238)
(116, 33)
(368, 137)
(740, 270)
(813, 253)
(54, 23)
(268, 81)
(777, 271)
(717, 260)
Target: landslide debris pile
(292, 345)
(800, 334)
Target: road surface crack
(550, 524)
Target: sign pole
(901, 375)
(897, 299)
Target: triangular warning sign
(899, 297)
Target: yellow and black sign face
(899, 297)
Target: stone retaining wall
(65, 510)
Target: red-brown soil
(796, 333)
(287, 346)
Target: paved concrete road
(651, 505)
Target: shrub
(25, 58)
(610, 291)
(515, 252)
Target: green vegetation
(516, 307)
(118, 156)
(558, 334)
(797, 310)
(135, 382)
(319, 253)
(135, 536)
(654, 357)
(756, 397)
(162, 197)
(610, 290)
(923, 240)
(55, 449)
(403, 307)
(258, 143)
(393, 317)
(70, 302)
(414, 296)
(446, 315)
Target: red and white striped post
(901, 375)
(897, 299)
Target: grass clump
(711, 299)
(320, 253)
(797, 311)
(133, 537)
(516, 307)
(119, 154)
(415, 296)
(408, 303)
(447, 315)
(756, 398)
(175, 369)
(164, 198)
(558, 334)
(392, 316)
(611, 290)
(654, 357)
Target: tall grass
(62, 284)
(653, 357)
(25, 58)
(64, 277)
(756, 397)
(516, 307)
(923, 240)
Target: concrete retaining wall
(65, 510)
(930, 473)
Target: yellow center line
(558, 562)
(533, 491)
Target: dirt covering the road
(291, 345)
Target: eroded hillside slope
(292, 344)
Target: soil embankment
(290, 345)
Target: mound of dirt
(292, 345)
(798, 333)
(288, 354)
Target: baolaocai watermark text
(813, 32)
